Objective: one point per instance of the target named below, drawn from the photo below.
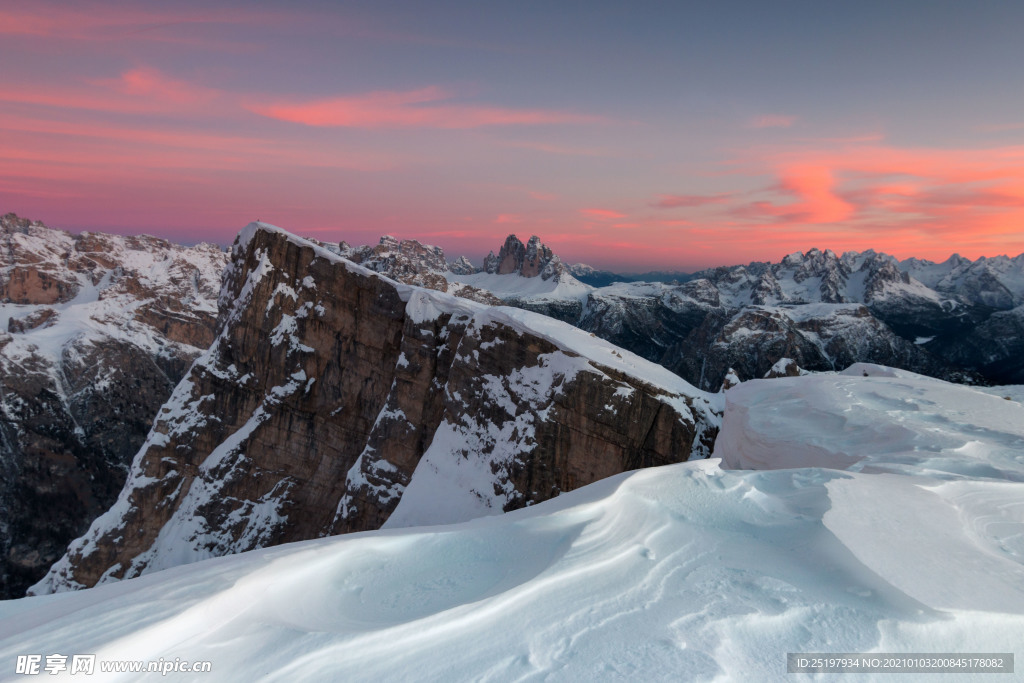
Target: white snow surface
(686, 572)
(515, 286)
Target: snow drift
(682, 572)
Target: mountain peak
(529, 260)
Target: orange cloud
(409, 109)
(814, 186)
(860, 194)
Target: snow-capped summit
(581, 270)
(530, 276)
(996, 282)
(411, 263)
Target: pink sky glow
(188, 122)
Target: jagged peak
(528, 260)
(462, 266)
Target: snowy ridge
(997, 281)
(689, 572)
(515, 286)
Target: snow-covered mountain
(336, 400)
(824, 309)
(96, 331)
(875, 511)
(997, 282)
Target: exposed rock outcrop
(530, 260)
(335, 400)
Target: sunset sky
(628, 135)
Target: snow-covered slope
(872, 418)
(684, 572)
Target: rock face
(99, 330)
(335, 400)
(530, 260)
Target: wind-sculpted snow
(683, 572)
(873, 418)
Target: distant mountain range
(960, 320)
(602, 278)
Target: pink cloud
(142, 90)
(421, 108)
(1000, 127)
(561, 150)
(150, 84)
(671, 201)
(95, 22)
(602, 214)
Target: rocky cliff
(532, 259)
(96, 331)
(336, 400)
